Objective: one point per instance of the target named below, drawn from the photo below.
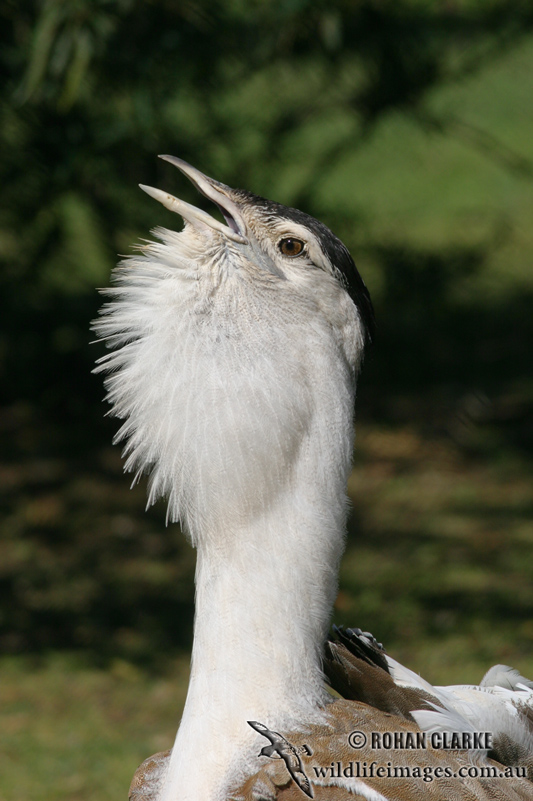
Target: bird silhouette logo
(280, 748)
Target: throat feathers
(234, 352)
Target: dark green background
(406, 126)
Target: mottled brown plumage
(330, 746)
(357, 668)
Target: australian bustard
(235, 349)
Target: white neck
(262, 613)
(239, 400)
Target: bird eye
(291, 246)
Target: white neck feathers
(238, 399)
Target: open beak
(215, 191)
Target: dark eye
(291, 246)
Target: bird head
(268, 243)
(233, 345)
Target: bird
(234, 353)
(501, 706)
(280, 748)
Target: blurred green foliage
(84, 730)
(403, 124)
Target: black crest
(337, 252)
